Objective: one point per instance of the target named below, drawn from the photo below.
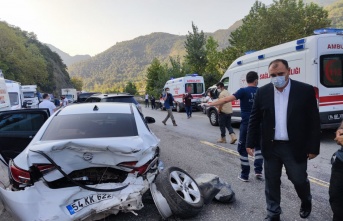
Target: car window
(14, 99)
(93, 100)
(120, 99)
(22, 122)
(91, 126)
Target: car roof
(87, 108)
(111, 95)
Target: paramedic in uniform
(225, 112)
(246, 97)
(287, 112)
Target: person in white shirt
(64, 101)
(46, 103)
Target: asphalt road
(192, 146)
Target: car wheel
(213, 118)
(178, 109)
(181, 192)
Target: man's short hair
(45, 96)
(220, 84)
(251, 77)
(284, 62)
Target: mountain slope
(67, 59)
(128, 60)
(25, 59)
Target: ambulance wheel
(213, 118)
(181, 192)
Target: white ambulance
(178, 87)
(4, 98)
(316, 60)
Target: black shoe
(272, 218)
(305, 209)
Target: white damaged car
(86, 162)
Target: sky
(93, 26)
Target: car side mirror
(149, 120)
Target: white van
(4, 98)
(70, 94)
(316, 60)
(15, 93)
(30, 95)
(178, 87)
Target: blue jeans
(225, 122)
(188, 110)
(245, 166)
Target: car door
(17, 128)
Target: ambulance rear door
(330, 80)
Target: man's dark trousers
(296, 171)
(225, 122)
(245, 166)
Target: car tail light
(45, 168)
(19, 175)
(132, 165)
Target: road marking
(312, 179)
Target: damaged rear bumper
(39, 202)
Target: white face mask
(219, 90)
(279, 81)
(167, 92)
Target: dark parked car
(121, 98)
(81, 98)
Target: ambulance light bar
(299, 47)
(260, 57)
(301, 41)
(192, 75)
(328, 31)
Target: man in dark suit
(287, 113)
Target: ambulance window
(226, 83)
(331, 74)
(195, 88)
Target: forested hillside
(336, 14)
(26, 60)
(128, 60)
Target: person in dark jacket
(152, 101)
(287, 112)
(187, 100)
(336, 180)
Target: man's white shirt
(47, 104)
(280, 105)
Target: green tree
(213, 71)
(156, 75)
(195, 50)
(283, 21)
(130, 88)
(77, 82)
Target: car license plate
(86, 201)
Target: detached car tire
(181, 192)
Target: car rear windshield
(121, 99)
(91, 126)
